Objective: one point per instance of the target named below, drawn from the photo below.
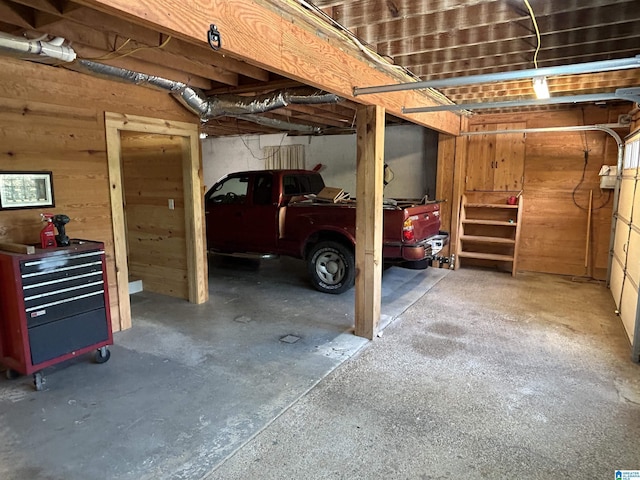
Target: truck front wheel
(331, 267)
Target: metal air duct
(214, 106)
(194, 99)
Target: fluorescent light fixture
(541, 88)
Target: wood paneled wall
(554, 228)
(156, 238)
(53, 119)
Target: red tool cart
(54, 305)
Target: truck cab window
(302, 184)
(262, 187)
(232, 191)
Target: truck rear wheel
(331, 267)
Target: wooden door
(495, 162)
(480, 159)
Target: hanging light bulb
(541, 88)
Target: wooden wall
(554, 229)
(156, 239)
(53, 119)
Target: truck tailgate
(425, 219)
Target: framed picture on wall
(26, 190)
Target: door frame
(193, 203)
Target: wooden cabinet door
(480, 159)
(495, 162)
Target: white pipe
(23, 46)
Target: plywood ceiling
(432, 39)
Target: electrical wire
(573, 194)
(114, 55)
(262, 158)
(535, 26)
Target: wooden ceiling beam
(108, 42)
(499, 40)
(102, 22)
(234, 126)
(41, 5)
(141, 66)
(302, 50)
(17, 15)
(448, 16)
(553, 16)
(551, 55)
(307, 113)
(256, 88)
(358, 12)
(201, 53)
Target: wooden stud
(458, 187)
(194, 221)
(369, 190)
(112, 128)
(445, 173)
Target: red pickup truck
(277, 212)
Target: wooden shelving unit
(489, 232)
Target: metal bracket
(214, 38)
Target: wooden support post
(444, 184)
(369, 185)
(458, 188)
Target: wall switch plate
(172, 204)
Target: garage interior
(223, 368)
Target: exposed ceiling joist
(435, 39)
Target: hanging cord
(584, 171)
(114, 55)
(535, 26)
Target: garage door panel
(633, 260)
(636, 206)
(619, 246)
(617, 276)
(628, 309)
(627, 187)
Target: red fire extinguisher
(47, 234)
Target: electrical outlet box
(608, 174)
(172, 204)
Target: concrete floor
(189, 384)
(485, 376)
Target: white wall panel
(410, 151)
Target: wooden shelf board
(487, 239)
(491, 205)
(473, 221)
(486, 256)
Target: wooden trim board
(192, 178)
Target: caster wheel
(102, 355)
(11, 374)
(38, 381)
